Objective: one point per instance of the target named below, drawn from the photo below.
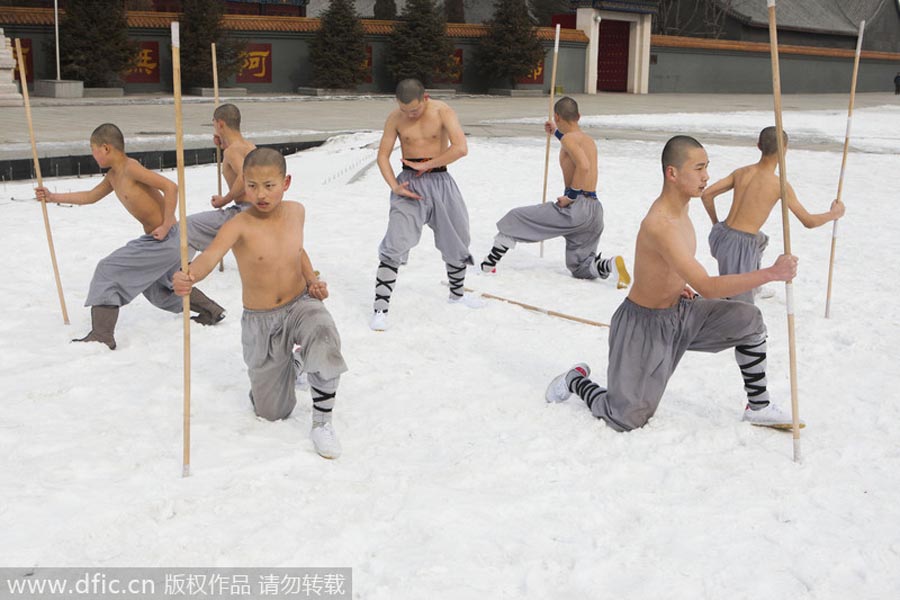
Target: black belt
(418, 160)
(573, 193)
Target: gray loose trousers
(645, 346)
(441, 208)
(580, 223)
(268, 338)
(202, 227)
(737, 252)
(142, 266)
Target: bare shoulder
(294, 208)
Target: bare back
(425, 137)
(657, 283)
(580, 179)
(756, 191)
(144, 202)
(268, 252)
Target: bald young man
(577, 215)
(738, 243)
(663, 317)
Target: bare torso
(234, 155)
(756, 190)
(656, 283)
(268, 255)
(586, 181)
(425, 137)
(146, 204)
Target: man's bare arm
(101, 190)
(709, 195)
(683, 262)
(809, 220)
(203, 264)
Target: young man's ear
(671, 173)
(287, 182)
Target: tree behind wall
(93, 43)
(511, 48)
(543, 10)
(338, 52)
(456, 11)
(419, 46)
(385, 10)
(201, 26)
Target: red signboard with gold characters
(27, 57)
(536, 75)
(146, 68)
(257, 66)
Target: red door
(612, 57)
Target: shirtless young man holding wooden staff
(662, 317)
(737, 242)
(422, 194)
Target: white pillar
(588, 21)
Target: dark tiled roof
(840, 17)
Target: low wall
(697, 66)
(281, 47)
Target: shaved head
(409, 90)
(265, 157)
(230, 115)
(677, 150)
(768, 140)
(567, 109)
(108, 134)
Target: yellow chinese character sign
(536, 75)
(257, 64)
(146, 68)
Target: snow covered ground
(457, 480)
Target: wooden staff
(538, 309)
(785, 225)
(550, 118)
(40, 180)
(182, 227)
(834, 228)
(215, 71)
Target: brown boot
(209, 313)
(103, 323)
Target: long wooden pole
(550, 118)
(786, 226)
(538, 309)
(182, 227)
(40, 180)
(834, 229)
(215, 71)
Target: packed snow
(457, 479)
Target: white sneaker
(325, 440)
(558, 390)
(770, 416)
(764, 292)
(379, 321)
(467, 299)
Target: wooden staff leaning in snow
(145, 265)
(663, 316)
(424, 193)
(282, 300)
(577, 215)
(203, 227)
(737, 243)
